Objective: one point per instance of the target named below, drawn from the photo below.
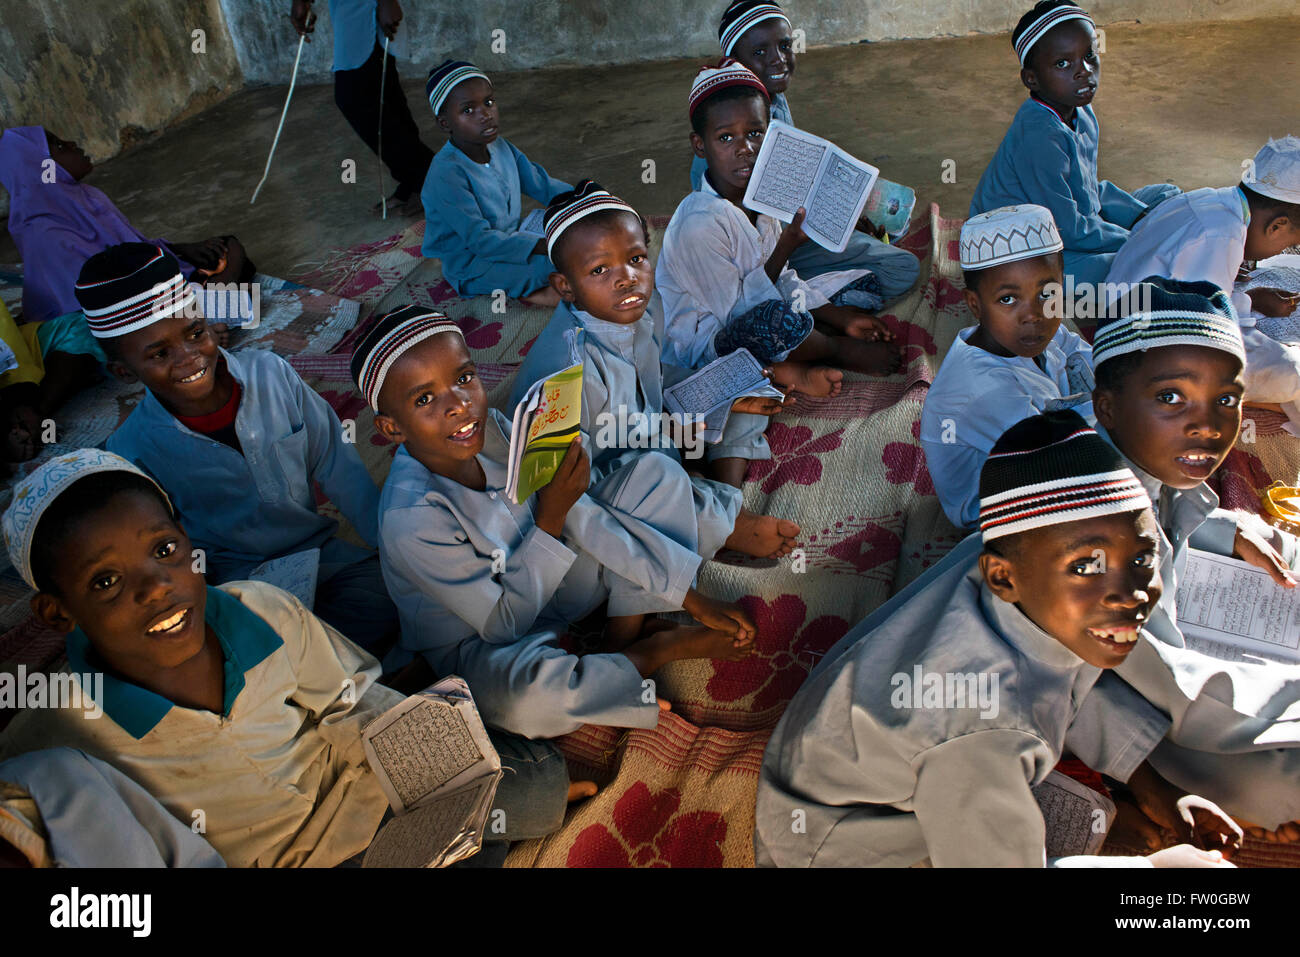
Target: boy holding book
(235, 706)
(758, 35)
(485, 586)
(1168, 397)
(866, 770)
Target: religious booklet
(1076, 816)
(795, 168)
(890, 206)
(295, 573)
(1230, 610)
(711, 391)
(439, 771)
(545, 422)
(532, 223)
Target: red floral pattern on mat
(905, 464)
(650, 833)
(794, 456)
(785, 651)
(947, 294)
(868, 548)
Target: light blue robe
(483, 592)
(852, 777)
(95, 816)
(1042, 160)
(1234, 735)
(356, 31)
(472, 214)
(243, 509)
(976, 396)
(623, 376)
(896, 268)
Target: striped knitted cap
(1008, 234)
(569, 207)
(1050, 469)
(445, 77)
(718, 76)
(740, 16)
(394, 333)
(1035, 24)
(1171, 313)
(130, 286)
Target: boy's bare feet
(687, 641)
(806, 379)
(721, 615)
(873, 358)
(546, 297)
(1134, 829)
(762, 536)
(581, 789)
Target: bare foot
(806, 379)
(762, 536)
(687, 641)
(581, 789)
(546, 297)
(873, 358)
(722, 615)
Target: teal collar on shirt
(246, 641)
(1245, 206)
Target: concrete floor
(1175, 105)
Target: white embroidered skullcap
(1275, 171)
(1008, 234)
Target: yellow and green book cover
(545, 422)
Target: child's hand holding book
(570, 482)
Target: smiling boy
(472, 193)
(485, 586)
(237, 439)
(1049, 154)
(872, 779)
(235, 706)
(1017, 360)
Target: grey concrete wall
(545, 32)
(108, 73)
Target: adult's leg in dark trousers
(356, 93)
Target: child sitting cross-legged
(610, 311)
(485, 586)
(235, 705)
(1049, 154)
(724, 274)
(880, 770)
(1017, 360)
(472, 193)
(238, 440)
